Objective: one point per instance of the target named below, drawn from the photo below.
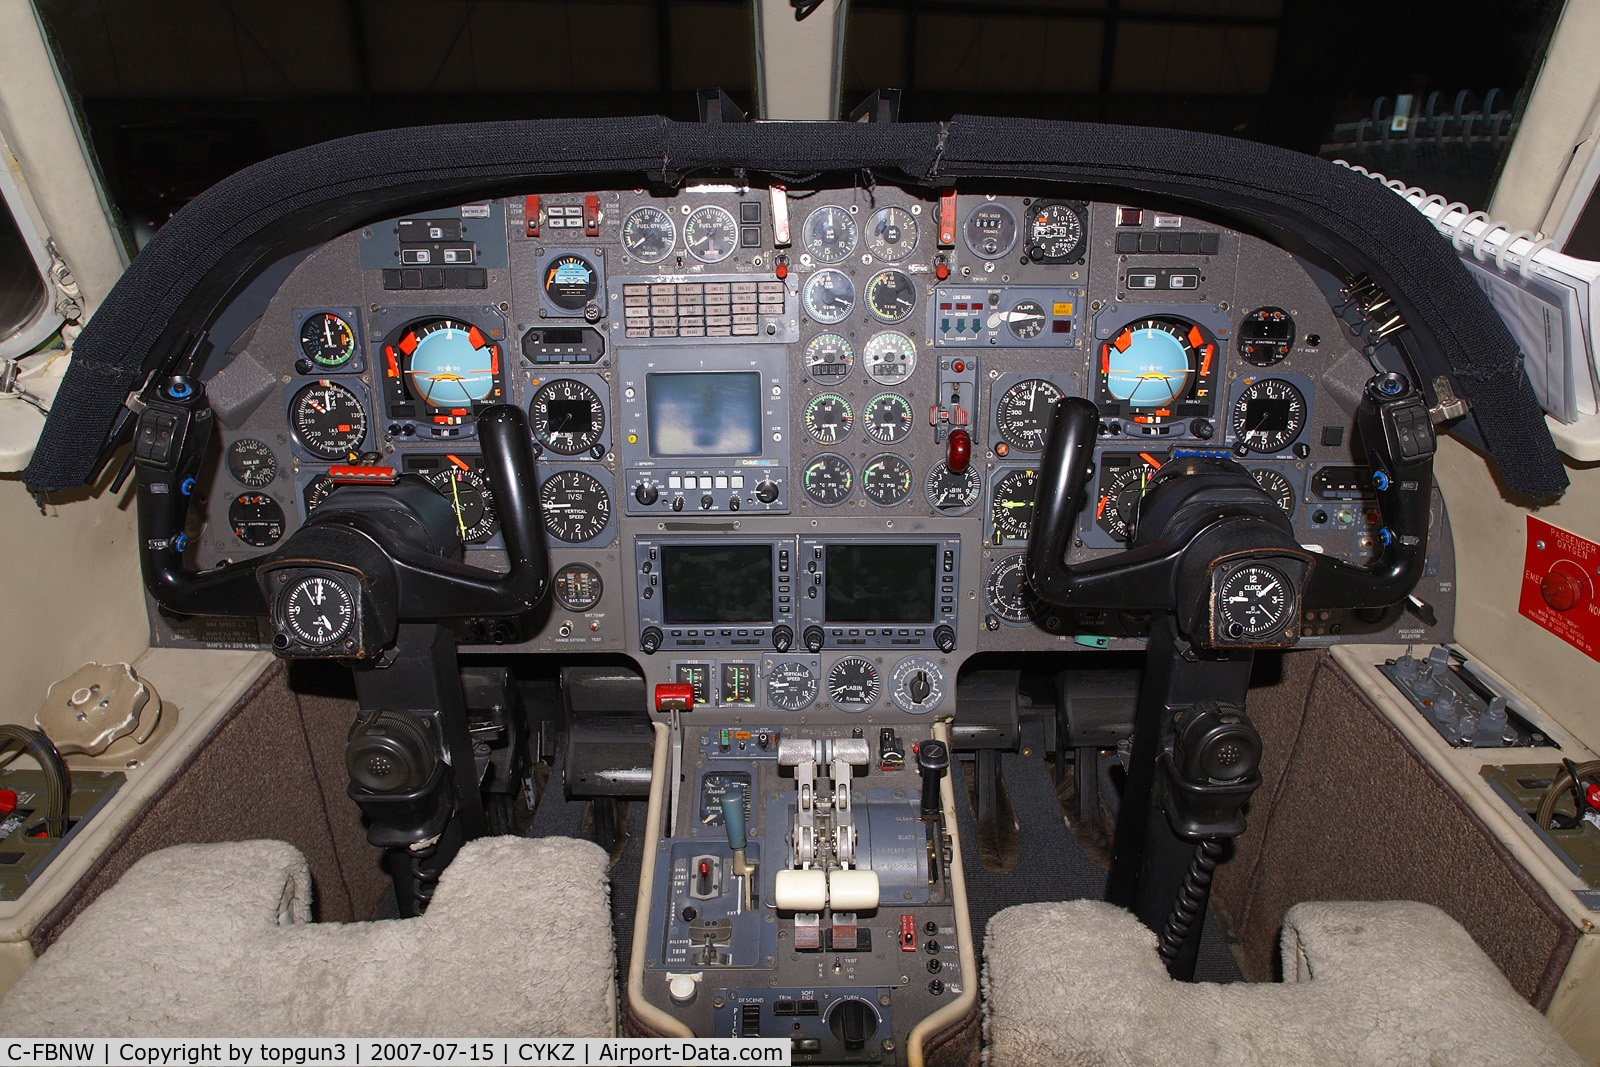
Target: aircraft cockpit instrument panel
(788, 440)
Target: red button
(8, 801)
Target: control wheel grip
(514, 480)
(1064, 470)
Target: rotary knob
(1564, 586)
(646, 493)
(767, 492)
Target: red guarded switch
(908, 933)
(960, 451)
(8, 801)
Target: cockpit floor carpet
(1051, 865)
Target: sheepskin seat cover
(216, 941)
(1398, 983)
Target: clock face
(318, 610)
(1254, 601)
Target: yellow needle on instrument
(454, 496)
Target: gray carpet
(1050, 864)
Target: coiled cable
(1192, 897)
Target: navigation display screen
(716, 583)
(710, 413)
(880, 583)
